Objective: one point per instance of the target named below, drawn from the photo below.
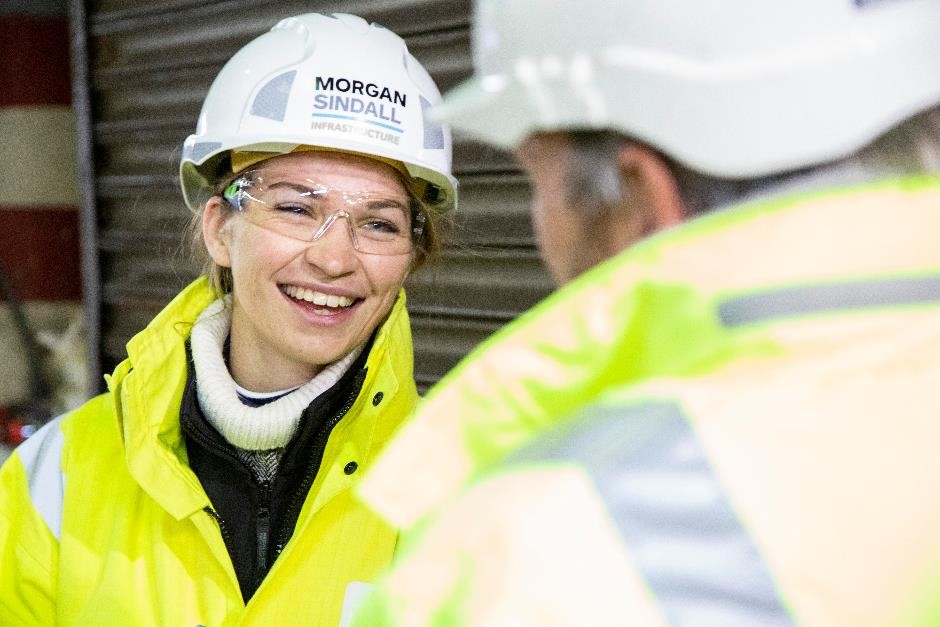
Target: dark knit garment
(263, 464)
(257, 497)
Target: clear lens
(306, 210)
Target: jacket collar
(148, 387)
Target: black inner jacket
(257, 519)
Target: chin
(323, 357)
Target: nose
(333, 247)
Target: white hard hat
(329, 81)
(734, 88)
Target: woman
(211, 484)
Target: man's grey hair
(596, 185)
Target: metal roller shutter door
(142, 69)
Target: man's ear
(214, 233)
(652, 185)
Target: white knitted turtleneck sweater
(269, 426)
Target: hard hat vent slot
(433, 133)
(271, 101)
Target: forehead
(352, 173)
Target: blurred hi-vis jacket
(751, 427)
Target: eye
(293, 208)
(383, 218)
(378, 225)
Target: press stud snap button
(350, 468)
(377, 398)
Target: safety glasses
(305, 210)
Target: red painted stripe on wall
(35, 61)
(39, 249)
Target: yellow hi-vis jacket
(755, 437)
(103, 523)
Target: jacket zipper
(263, 531)
(223, 528)
(300, 495)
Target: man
(746, 404)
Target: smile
(317, 298)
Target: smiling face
(299, 306)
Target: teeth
(318, 298)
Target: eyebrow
(388, 203)
(377, 203)
(298, 187)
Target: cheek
(256, 251)
(386, 274)
(543, 215)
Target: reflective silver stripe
(271, 101)
(795, 301)
(671, 510)
(433, 133)
(41, 455)
(197, 151)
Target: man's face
(559, 232)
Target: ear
(654, 187)
(214, 233)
